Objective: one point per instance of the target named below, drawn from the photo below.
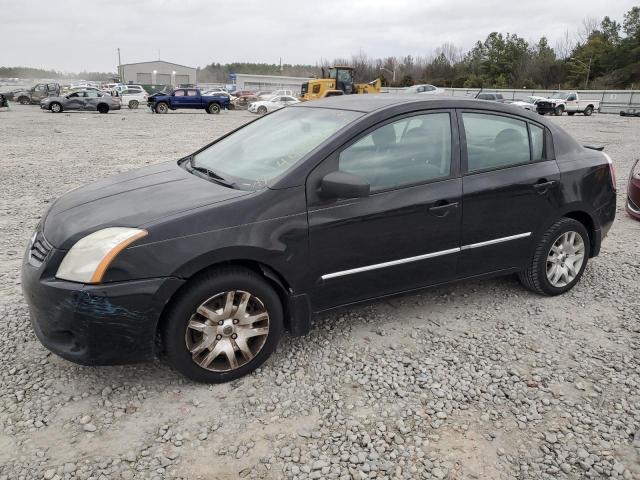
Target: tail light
(612, 170)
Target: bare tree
(588, 26)
(450, 51)
(564, 46)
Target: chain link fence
(611, 101)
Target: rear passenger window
(412, 150)
(494, 141)
(537, 142)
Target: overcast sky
(75, 35)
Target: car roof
(373, 102)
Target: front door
(510, 191)
(178, 99)
(75, 101)
(405, 234)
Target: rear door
(405, 234)
(192, 99)
(510, 190)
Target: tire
(559, 111)
(162, 107)
(213, 108)
(55, 107)
(571, 114)
(24, 101)
(208, 293)
(588, 111)
(103, 108)
(262, 110)
(133, 104)
(536, 277)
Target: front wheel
(55, 107)
(213, 108)
(24, 101)
(559, 259)
(223, 325)
(559, 110)
(588, 111)
(162, 107)
(262, 110)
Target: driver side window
(409, 151)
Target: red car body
(633, 191)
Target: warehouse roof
(158, 61)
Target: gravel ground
(480, 380)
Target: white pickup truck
(561, 102)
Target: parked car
(633, 191)
(492, 97)
(569, 102)
(3, 101)
(265, 106)
(528, 103)
(314, 207)
(187, 98)
(243, 93)
(130, 87)
(82, 100)
(132, 98)
(425, 89)
(35, 94)
(277, 93)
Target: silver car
(82, 100)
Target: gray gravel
(479, 380)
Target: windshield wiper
(211, 174)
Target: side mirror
(340, 184)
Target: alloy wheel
(227, 331)
(565, 259)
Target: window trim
(454, 171)
(464, 159)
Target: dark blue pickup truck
(187, 98)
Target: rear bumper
(96, 324)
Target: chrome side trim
(495, 240)
(401, 261)
(389, 264)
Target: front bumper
(633, 209)
(95, 324)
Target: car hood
(130, 199)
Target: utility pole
(120, 67)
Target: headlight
(635, 170)
(89, 258)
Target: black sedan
(313, 207)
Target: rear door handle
(543, 186)
(442, 208)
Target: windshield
(268, 147)
(559, 95)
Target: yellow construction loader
(337, 81)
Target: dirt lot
(480, 380)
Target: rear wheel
(588, 111)
(213, 108)
(559, 259)
(162, 107)
(223, 325)
(103, 108)
(55, 107)
(133, 104)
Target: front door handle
(442, 208)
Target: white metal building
(157, 72)
(245, 81)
